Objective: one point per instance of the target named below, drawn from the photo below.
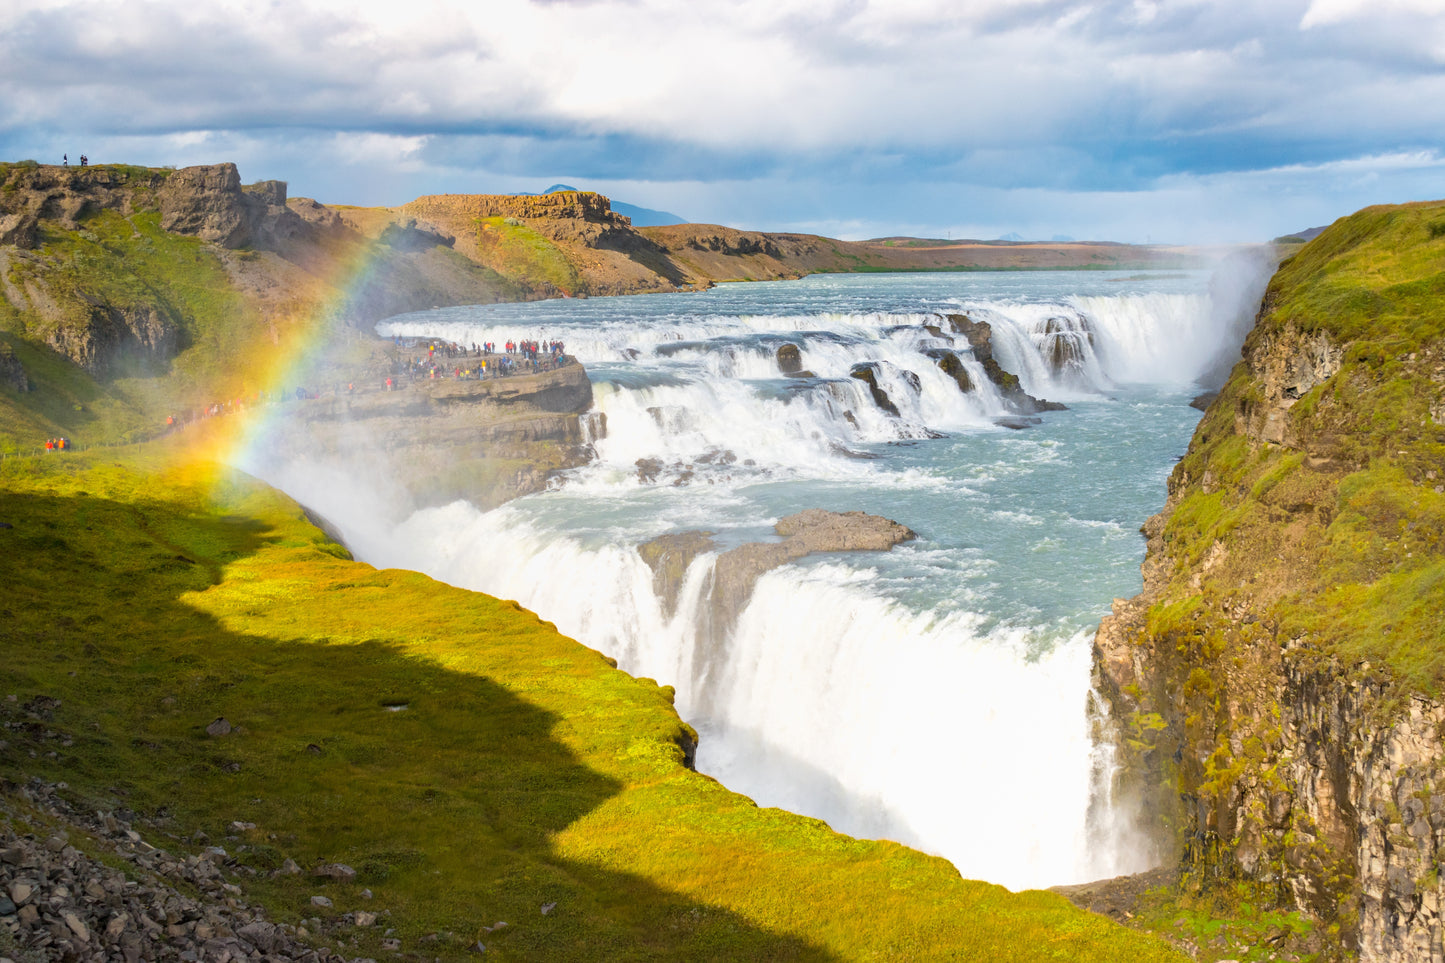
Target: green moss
(513, 249)
(150, 596)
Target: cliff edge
(1275, 689)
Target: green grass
(151, 595)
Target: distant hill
(1015, 238)
(1308, 234)
(641, 216)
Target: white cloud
(1324, 12)
(1074, 98)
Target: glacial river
(937, 694)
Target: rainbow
(290, 361)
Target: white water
(936, 694)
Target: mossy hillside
(151, 597)
(130, 262)
(1344, 541)
(1326, 556)
(226, 348)
(1376, 275)
(514, 250)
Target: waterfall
(937, 694)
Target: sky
(1128, 120)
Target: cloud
(987, 100)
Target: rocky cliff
(164, 289)
(485, 441)
(1275, 688)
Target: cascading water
(936, 694)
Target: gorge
(809, 689)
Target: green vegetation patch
(472, 764)
(514, 250)
(1340, 537)
(1376, 275)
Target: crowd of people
(479, 361)
(442, 359)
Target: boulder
(338, 871)
(206, 202)
(952, 365)
(790, 359)
(867, 372)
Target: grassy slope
(516, 251)
(226, 345)
(151, 597)
(1346, 541)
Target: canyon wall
(1275, 687)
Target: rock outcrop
(487, 441)
(669, 557)
(979, 335)
(107, 335)
(1274, 687)
(867, 372)
(559, 205)
(12, 373)
(738, 569)
(30, 194)
(952, 365)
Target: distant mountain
(1308, 234)
(1011, 237)
(641, 216)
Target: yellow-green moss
(151, 597)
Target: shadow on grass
(442, 789)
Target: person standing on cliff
(64, 160)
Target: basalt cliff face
(1274, 690)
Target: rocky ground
(90, 887)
